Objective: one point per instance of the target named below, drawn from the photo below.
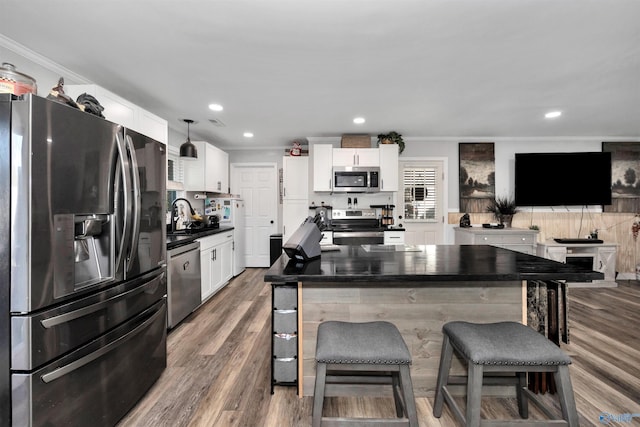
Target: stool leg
(565, 394)
(407, 393)
(443, 375)
(474, 394)
(523, 401)
(395, 383)
(318, 394)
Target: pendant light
(187, 149)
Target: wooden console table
(592, 256)
(516, 239)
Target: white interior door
(258, 186)
(422, 200)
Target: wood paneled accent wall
(612, 227)
(418, 311)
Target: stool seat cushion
(365, 343)
(503, 343)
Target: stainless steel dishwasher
(183, 286)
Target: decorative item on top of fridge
(11, 81)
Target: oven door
(358, 237)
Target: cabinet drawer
(523, 239)
(285, 321)
(394, 237)
(285, 370)
(489, 240)
(285, 345)
(520, 239)
(285, 298)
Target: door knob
(271, 221)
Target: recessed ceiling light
(215, 107)
(553, 114)
(248, 135)
(359, 120)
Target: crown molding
(43, 61)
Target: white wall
(505, 149)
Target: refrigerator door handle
(77, 364)
(68, 317)
(125, 216)
(136, 203)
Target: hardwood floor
(218, 368)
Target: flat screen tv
(563, 179)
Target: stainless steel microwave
(356, 179)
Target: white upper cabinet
(388, 167)
(153, 126)
(295, 177)
(325, 157)
(356, 157)
(323, 167)
(123, 112)
(209, 172)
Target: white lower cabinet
(294, 212)
(216, 262)
(394, 237)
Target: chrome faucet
(174, 212)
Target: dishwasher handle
(174, 252)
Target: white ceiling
(287, 69)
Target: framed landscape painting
(477, 176)
(625, 176)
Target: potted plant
(392, 138)
(503, 208)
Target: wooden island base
(418, 288)
(418, 311)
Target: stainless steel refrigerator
(82, 265)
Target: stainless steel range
(356, 227)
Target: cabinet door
(209, 172)
(322, 167)
(153, 126)
(194, 170)
(206, 287)
(295, 178)
(344, 157)
(605, 262)
(216, 268)
(388, 154)
(221, 170)
(226, 260)
(368, 157)
(356, 157)
(294, 212)
(557, 253)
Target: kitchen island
(418, 288)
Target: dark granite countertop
(173, 241)
(385, 263)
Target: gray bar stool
(505, 347)
(364, 353)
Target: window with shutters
(421, 186)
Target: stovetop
(348, 228)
